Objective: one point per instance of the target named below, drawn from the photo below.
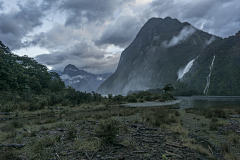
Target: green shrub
(17, 123)
(214, 120)
(72, 132)
(225, 148)
(132, 99)
(108, 129)
(214, 126)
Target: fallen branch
(140, 151)
(174, 145)
(27, 130)
(12, 145)
(87, 156)
(94, 134)
(57, 155)
(155, 129)
(173, 154)
(210, 149)
(93, 155)
(49, 107)
(120, 145)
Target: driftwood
(120, 145)
(149, 141)
(210, 149)
(27, 130)
(174, 145)
(12, 145)
(93, 155)
(148, 135)
(173, 154)
(94, 134)
(140, 151)
(57, 155)
(49, 107)
(155, 129)
(87, 156)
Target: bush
(108, 129)
(214, 120)
(225, 148)
(132, 99)
(72, 132)
(214, 126)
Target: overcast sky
(91, 34)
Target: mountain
(160, 54)
(80, 79)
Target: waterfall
(208, 77)
(182, 72)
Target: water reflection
(208, 101)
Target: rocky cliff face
(82, 80)
(158, 56)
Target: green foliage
(108, 129)
(132, 99)
(160, 116)
(208, 112)
(167, 88)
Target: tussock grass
(159, 116)
(89, 144)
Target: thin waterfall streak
(208, 77)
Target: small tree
(168, 87)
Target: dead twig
(12, 145)
(174, 145)
(87, 156)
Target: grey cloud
(82, 11)
(121, 32)
(17, 24)
(47, 4)
(1, 5)
(57, 37)
(210, 40)
(84, 55)
(51, 59)
(182, 36)
(221, 18)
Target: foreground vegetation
(97, 130)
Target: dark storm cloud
(86, 11)
(218, 17)
(84, 55)
(121, 32)
(15, 25)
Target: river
(208, 101)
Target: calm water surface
(208, 101)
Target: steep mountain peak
(160, 49)
(71, 67)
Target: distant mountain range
(80, 79)
(168, 51)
